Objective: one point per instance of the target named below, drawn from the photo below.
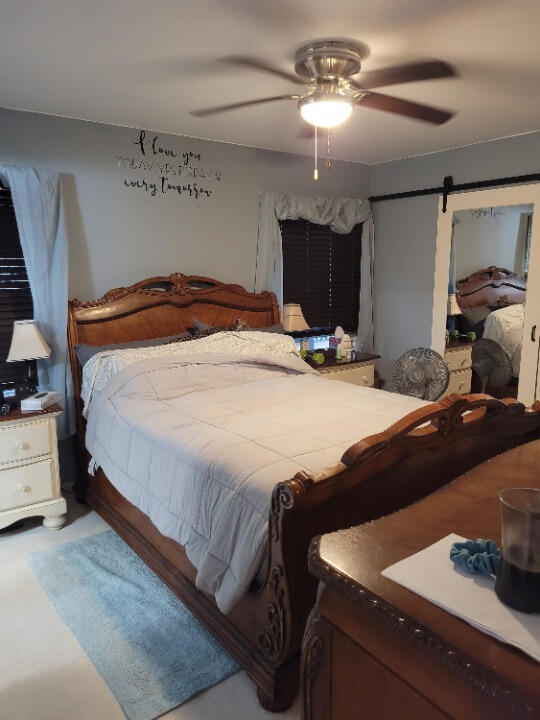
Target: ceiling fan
(327, 68)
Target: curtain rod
(449, 187)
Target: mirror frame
(514, 195)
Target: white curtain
(341, 214)
(37, 199)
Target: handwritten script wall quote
(159, 170)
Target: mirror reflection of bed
(487, 292)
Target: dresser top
(350, 562)
(359, 359)
(16, 413)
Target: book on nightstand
(39, 401)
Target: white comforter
(197, 440)
(505, 327)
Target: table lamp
(28, 344)
(293, 318)
(453, 305)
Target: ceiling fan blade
(235, 106)
(256, 64)
(403, 74)
(399, 106)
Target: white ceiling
(146, 64)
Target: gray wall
(120, 235)
(490, 238)
(405, 231)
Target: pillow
(238, 324)
(502, 302)
(199, 326)
(477, 314)
(85, 352)
(277, 328)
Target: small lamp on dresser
(452, 310)
(27, 344)
(293, 318)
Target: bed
(372, 476)
(492, 301)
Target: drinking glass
(518, 580)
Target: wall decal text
(159, 169)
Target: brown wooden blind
(321, 271)
(15, 296)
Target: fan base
(329, 59)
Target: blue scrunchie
(477, 557)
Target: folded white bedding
(198, 441)
(505, 327)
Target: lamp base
(31, 377)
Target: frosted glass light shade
(293, 318)
(326, 113)
(27, 342)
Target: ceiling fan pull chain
(315, 169)
(328, 149)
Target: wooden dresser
(29, 473)
(375, 650)
(458, 357)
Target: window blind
(321, 271)
(15, 296)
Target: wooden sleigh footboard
(417, 455)
(379, 475)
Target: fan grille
(421, 373)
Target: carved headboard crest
(168, 285)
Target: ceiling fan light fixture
(325, 112)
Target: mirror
(487, 288)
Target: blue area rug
(150, 650)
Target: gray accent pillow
(85, 352)
(200, 327)
(477, 314)
(277, 328)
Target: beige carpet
(44, 673)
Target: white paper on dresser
(431, 574)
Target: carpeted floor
(44, 673)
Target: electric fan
(422, 373)
(491, 363)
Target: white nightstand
(29, 476)
(458, 357)
(360, 371)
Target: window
(15, 296)
(321, 271)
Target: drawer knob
(20, 445)
(24, 488)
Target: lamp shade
(27, 342)
(453, 306)
(293, 318)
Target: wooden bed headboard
(158, 307)
(490, 286)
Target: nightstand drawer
(26, 484)
(458, 359)
(460, 382)
(24, 441)
(363, 375)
